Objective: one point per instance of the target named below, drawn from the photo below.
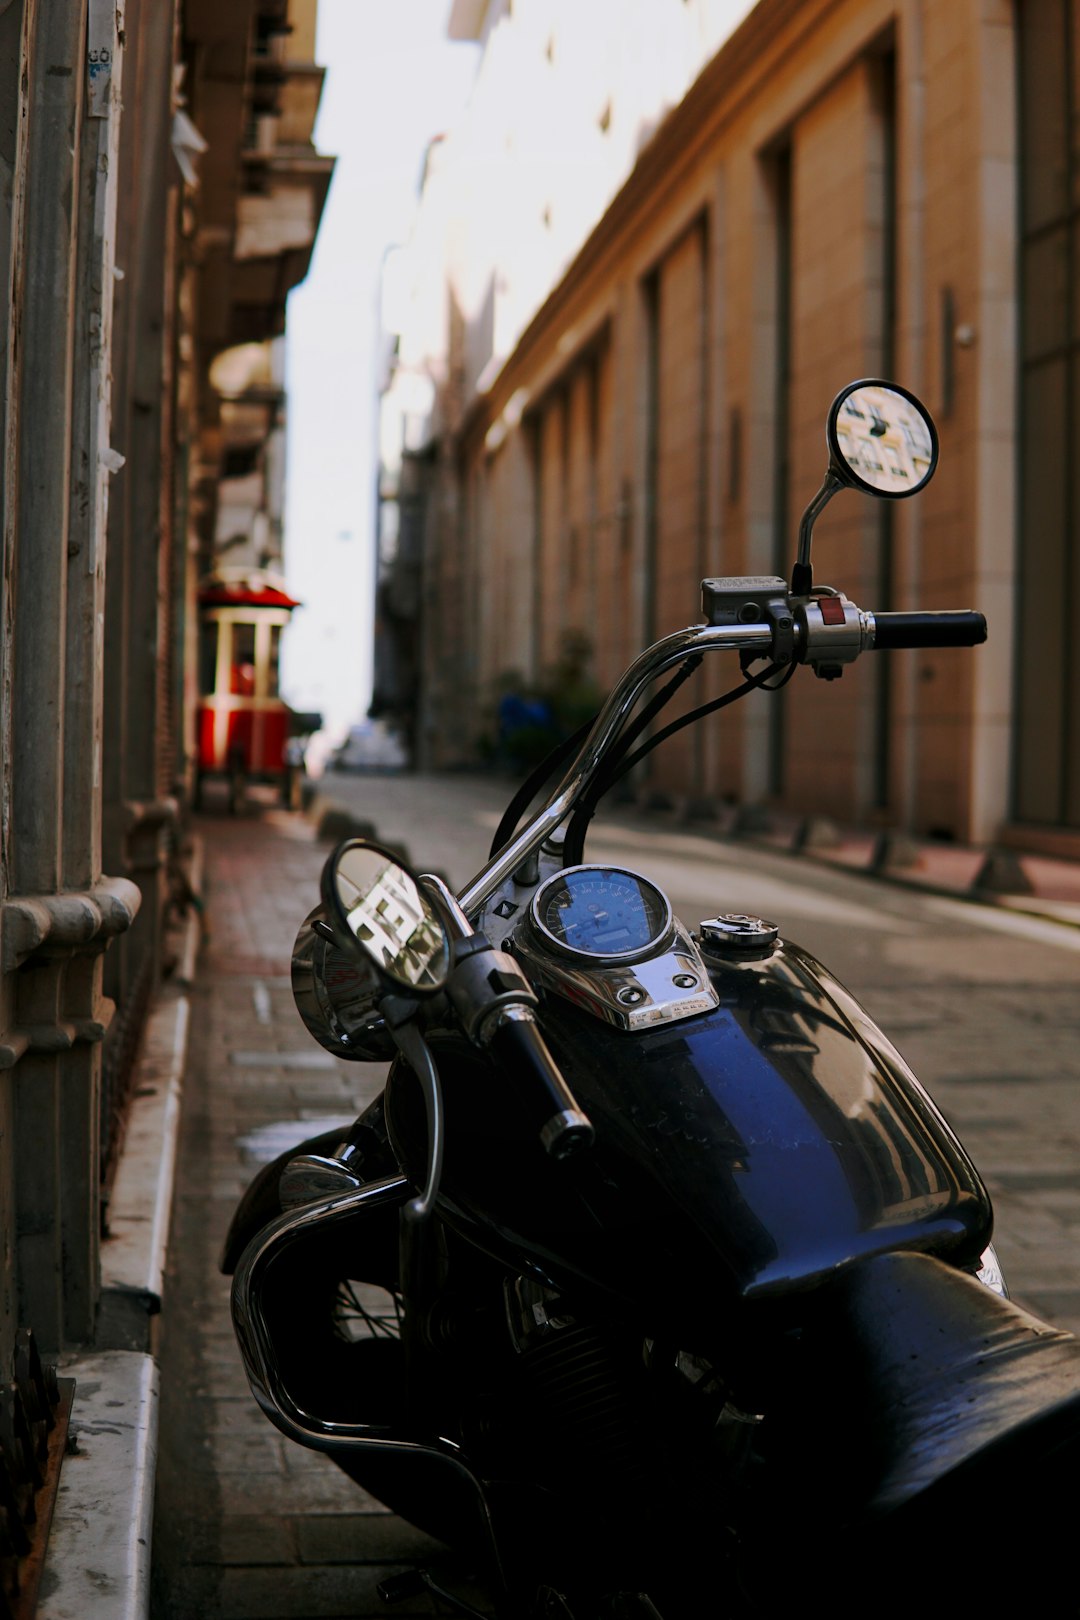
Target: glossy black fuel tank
(759, 1146)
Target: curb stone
(97, 1562)
(97, 1565)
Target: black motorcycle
(653, 1284)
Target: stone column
(45, 311)
(58, 912)
(140, 531)
(93, 463)
(15, 25)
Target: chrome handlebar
(828, 632)
(672, 650)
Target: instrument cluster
(605, 939)
(600, 913)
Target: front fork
(423, 1272)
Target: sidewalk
(247, 1525)
(1039, 885)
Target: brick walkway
(249, 1526)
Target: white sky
(393, 81)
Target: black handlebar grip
(965, 629)
(548, 1100)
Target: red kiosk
(243, 724)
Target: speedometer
(601, 912)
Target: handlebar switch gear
(833, 632)
(482, 984)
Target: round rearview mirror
(372, 897)
(881, 439)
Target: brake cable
(574, 843)
(563, 751)
(532, 784)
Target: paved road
(982, 1003)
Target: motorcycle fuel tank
(760, 1146)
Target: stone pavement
(249, 1526)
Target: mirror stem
(416, 1052)
(446, 902)
(802, 575)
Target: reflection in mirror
(391, 918)
(884, 439)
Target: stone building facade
(844, 188)
(160, 195)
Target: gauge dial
(601, 912)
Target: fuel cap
(735, 934)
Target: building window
(273, 674)
(240, 460)
(1047, 735)
(208, 652)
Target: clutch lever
(496, 1006)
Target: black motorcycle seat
(948, 1398)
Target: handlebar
(964, 629)
(562, 1126)
(826, 631)
(663, 655)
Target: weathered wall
(831, 200)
